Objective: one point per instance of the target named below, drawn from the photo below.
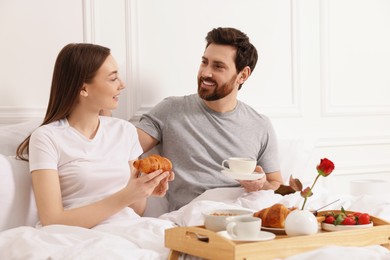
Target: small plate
(276, 231)
(243, 176)
(331, 227)
(261, 236)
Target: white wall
(323, 70)
(31, 35)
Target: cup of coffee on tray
(239, 165)
(243, 227)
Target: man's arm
(147, 142)
(274, 180)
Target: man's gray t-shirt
(197, 139)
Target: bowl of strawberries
(345, 220)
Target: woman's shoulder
(50, 127)
(50, 131)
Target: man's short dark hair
(246, 53)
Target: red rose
(325, 167)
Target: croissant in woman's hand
(153, 163)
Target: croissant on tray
(153, 163)
(274, 216)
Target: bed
(143, 238)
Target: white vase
(301, 222)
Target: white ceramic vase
(301, 222)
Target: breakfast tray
(204, 243)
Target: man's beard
(218, 92)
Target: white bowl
(215, 220)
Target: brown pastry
(153, 163)
(274, 216)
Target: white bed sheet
(143, 238)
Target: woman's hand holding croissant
(152, 164)
(142, 186)
(163, 186)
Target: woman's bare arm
(49, 202)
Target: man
(197, 132)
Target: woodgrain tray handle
(196, 241)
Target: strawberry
(330, 219)
(349, 221)
(364, 219)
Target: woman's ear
(84, 91)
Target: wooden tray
(204, 243)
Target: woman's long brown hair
(76, 64)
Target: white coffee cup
(240, 165)
(243, 227)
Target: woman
(80, 162)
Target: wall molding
(134, 94)
(13, 115)
(367, 169)
(344, 141)
(89, 21)
(327, 107)
(295, 110)
(361, 167)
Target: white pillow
(17, 203)
(12, 135)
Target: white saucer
(243, 176)
(261, 236)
